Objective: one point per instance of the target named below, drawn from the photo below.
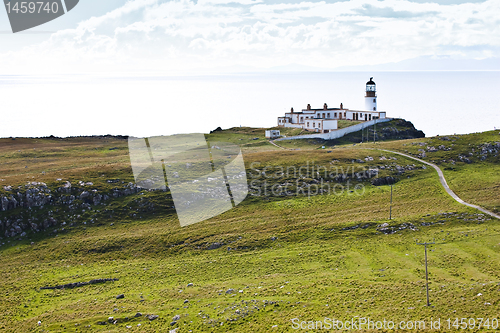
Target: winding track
(444, 183)
(441, 179)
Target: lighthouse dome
(370, 82)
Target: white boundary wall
(337, 133)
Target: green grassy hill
(311, 240)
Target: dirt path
(274, 144)
(444, 183)
(441, 179)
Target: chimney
(309, 106)
(325, 106)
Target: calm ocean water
(436, 102)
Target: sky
(190, 37)
(153, 67)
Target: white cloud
(182, 35)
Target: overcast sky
(188, 36)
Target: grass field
(275, 257)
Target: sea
(436, 102)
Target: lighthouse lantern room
(371, 96)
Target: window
(301, 119)
(328, 115)
(307, 124)
(374, 109)
(335, 115)
(314, 124)
(374, 100)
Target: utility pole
(390, 207)
(426, 273)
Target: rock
(176, 318)
(384, 181)
(120, 296)
(152, 317)
(214, 246)
(186, 301)
(138, 314)
(190, 284)
(78, 284)
(230, 291)
(218, 129)
(174, 330)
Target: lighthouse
(371, 96)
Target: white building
(272, 134)
(326, 119)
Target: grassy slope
(312, 262)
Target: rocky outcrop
(384, 181)
(78, 284)
(39, 195)
(399, 130)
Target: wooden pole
(426, 272)
(390, 208)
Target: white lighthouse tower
(371, 96)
